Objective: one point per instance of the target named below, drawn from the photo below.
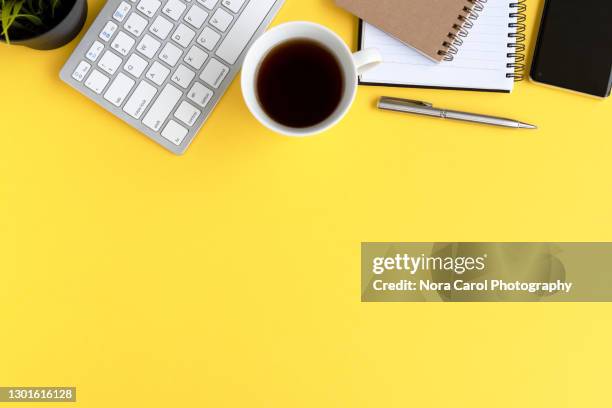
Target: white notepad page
(481, 62)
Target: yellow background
(229, 277)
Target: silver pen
(427, 109)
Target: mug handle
(367, 59)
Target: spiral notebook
(430, 26)
(486, 52)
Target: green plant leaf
(7, 15)
(33, 11)
(54, 5)
(31, 18)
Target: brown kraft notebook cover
(426, 25)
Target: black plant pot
(62, 33)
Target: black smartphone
(574, 47)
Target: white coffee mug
(351, 64)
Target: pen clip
(406, 102)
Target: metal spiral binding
(518, 46)
(465, 22)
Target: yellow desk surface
(229, 277)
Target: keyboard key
(209, 4)
(200, 94)
(221, 19)
(121, 11)
(209, 38)
(94, 51)
(196, 57)
(123, 43)
(187, 113)
(183, 35)
(108, 31)
(81, 70)
(170, 54)
(110, 62)
(196, 16)
(174, 132)
(183, 76)
(157, 73)
(148, 7)
(135, 65)
(238, 37)
(233, 5)
(161, 108)
(135, 24)
(140, 99)
(161, 27)
(174, 9)
(148, 46)
(214, 73)
(119, 89)
(96, 81)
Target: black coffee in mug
(300, 83)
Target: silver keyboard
(162, 65)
